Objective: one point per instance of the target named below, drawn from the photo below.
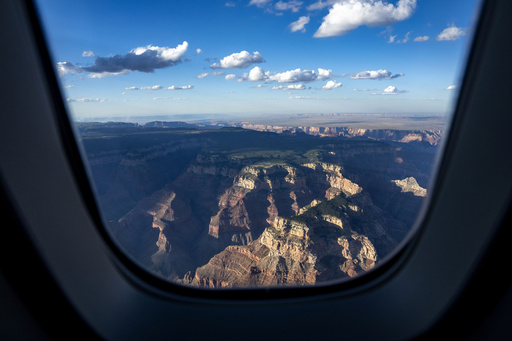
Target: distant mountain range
(234, 207)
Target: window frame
(401, 299)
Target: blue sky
(124, 58)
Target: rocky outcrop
(262, 192)
(410, 185)
(304, 250)
(249, 225)
(431, 137)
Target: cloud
(320, 5)
(289, 87)
(142, 59)
(392, 38)
(376, 75)
(405, 40)
(131, 88)
(298, 75)
(292, 5)
(259, 3)
(239, 60)
(154, 87)
(107, 74)
(217, 73)
(88, 54)
(451, 87)
(301, 97)
(186, 87)
(451, 33)
(85, 100)
(299, 24)
(347, 15)
(230, 4)
(363, 90)
(293, 76)
(256, 74)
(420, 39)
(63, 68)
(198, 51)
(392, 90)
(230, 76)
(331, 85)
(68, 86)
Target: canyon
(217, 207)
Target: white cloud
(451, 87)
(320, 5)
(298, 75)
(132, 88)
(290, 87)
(391, 39)
(451, 33)
(230, 4)
(68, 86)
(363, 90)
(88, 54)
(239, 60)
(376, 75)
(230, 76)
(186, 87)
(300, 97)
(154, 87)
(405, 40)
(420, 39)
(293, 76)
(259, 3)
(331, 85)
(347, 15)
(256, 74)
(163, 53)
(85, 100)
(198, 51)
(392, 90)
(107, 74)
(292, 5)
(217, 73)
(299, 24)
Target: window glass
(244, 143)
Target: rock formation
(411, 185)
(315, 246)
(237, 208)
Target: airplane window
(259, 143)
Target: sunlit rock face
(293, 251)
(411, 185)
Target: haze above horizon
(252, 57)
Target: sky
(251, 57)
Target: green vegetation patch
(334, 207)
